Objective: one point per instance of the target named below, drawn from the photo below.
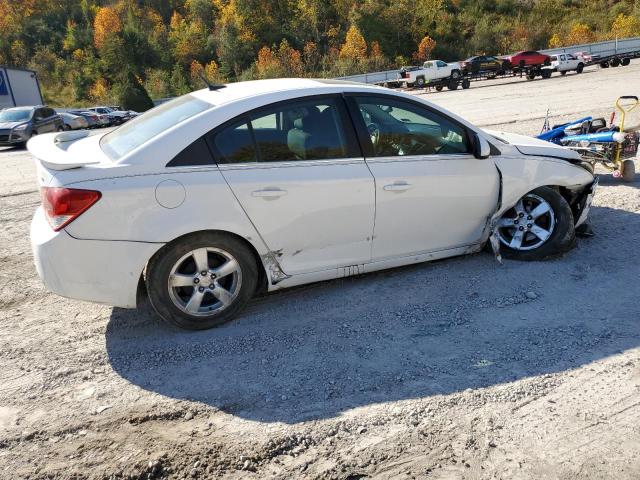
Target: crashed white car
(258, 186)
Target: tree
(354, 47)
(425, 47)
(554, 41)
(580, 33)
(106, 23)
(131, 94)
(625, 26)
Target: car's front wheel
(540, 225)
(202, 280)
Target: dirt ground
(458, 369)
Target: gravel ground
(458, 369)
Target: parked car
(360, 178)
(91, 117)
(527, 59)
(73, 122)
(566, 62)
(430, 71)
(104, 119)
(483, 64)
(586, 56)
(19, 124)
(115, 117)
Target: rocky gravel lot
(458, 369)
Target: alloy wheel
(528, 225)
(205, 281)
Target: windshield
(134, 133)
(21, 115)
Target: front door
(298, 173)
(432, 194)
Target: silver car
(73, 122)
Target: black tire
(455, 75)
(453, 85)
(604, 64)
(628, 171)
(60, 129)
(419, 83)
(626, 61)
(546, 73)
(531, 75)
(562, 238)
(159, 269)
(615, 62)
(466, 83)
(563, 73)
(439, 88)
(580, 68)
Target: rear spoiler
(52, 150)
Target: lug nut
(203, 273)
(521, 215)
(212, 286)
(529, 225)
(201, 289)
(529, 217)
(516, 222)
(213, 276)
(521, 228)
(196, 280)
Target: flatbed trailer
(614, 60)
(438, 85)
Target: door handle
(269, 193)
(397, 187)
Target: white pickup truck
(430, 72)
(566, 62)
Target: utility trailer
(19, 88)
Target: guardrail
(606, 48)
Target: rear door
(432, 194)
(296, 169)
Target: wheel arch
(263, 280)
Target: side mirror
(481, 148)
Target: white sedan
(258, 186)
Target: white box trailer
(19, 88)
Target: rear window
(140, 130)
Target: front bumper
(13, 138)
(584, 204)
(93, 270)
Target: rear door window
(291, 131)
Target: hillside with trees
(104, 51)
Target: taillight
(63, 205)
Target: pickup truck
(567, 62)
(430, 72)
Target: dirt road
(459, 369)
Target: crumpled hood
(10, 125)
(534, 146)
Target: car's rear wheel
(538, 226)
(202, 280)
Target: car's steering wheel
(374, 133)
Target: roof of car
(252, 88)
